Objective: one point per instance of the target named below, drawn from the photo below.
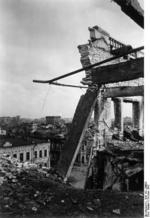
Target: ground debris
(36, 194)
(116, 211)
(24, 187)
(90, 208)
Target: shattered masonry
(100, 48)
(125, 158)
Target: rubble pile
(25, 188)
(119, 167)
(124, 171)
(125, 145)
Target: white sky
(39, 39)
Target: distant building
(53, 119)
(38, 153)
(5, 120)
(3, 131)
(34, 127)
(10, 120)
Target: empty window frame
(27, 155)
(15, 155)
(40, 153)
(35, 154)
(45, 153)
(21, 157)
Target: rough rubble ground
(26, 191)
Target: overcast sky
(39, 39)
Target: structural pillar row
(118, 121)
(138, 116)
(141, 118)
(102, 118)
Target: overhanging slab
(124, 91)
(123, 71)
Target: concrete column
(102, 119)
(97, 112)
(141, 118)
(136, 114)
(118, 122)
(107, 114)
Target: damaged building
(113, 77)
(118, 163)
(117, 157)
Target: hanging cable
(44, 100)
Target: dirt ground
(77, 177)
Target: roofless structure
(113, 72)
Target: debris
(38, 194)
(97, 202)
(141, 195)
(116, 211)
(30, 182)
(120, 167)
(74, 201)
(34, 209)
(90, 208)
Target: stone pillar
(97, 111)
(136, 114)
(107, 119)
(141, 118)
(118, 122)
(102, 118)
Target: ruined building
(120, 168)
(100, 47)
(118, 153)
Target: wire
(44, 100)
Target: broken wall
(98, 49)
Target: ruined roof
(17, 141)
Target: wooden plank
(133, 9)
(79, 124)
(123, 71)
(124, 91)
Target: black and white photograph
(74, 109)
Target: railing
(114, 44)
